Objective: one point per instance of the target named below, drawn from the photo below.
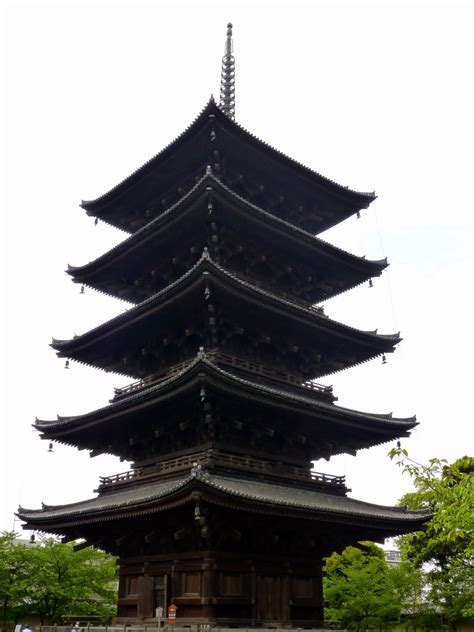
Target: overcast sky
(376, 96)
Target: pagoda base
(223, 589)
(225, 549)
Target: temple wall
(213, 590)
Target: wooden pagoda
(221, 513)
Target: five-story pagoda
(221, 514)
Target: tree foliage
(53, 581)
(363, 591)
(13, 571)
(359, 590)
(445, 545)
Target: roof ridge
(138, 306)
(208, 106)
(205, 257)
(149, 226)
(295, 162)
(203, 358)
(329, 406)
(352, 501)
(325, 318)
(181, 483)
(211, 106)
(122, 402)
(298, 229)
(302, 498)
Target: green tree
(55, 582)
(409, 583)
(359, 590)
(14, 568)
(445, 545)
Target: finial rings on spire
(227, 93)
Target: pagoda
(221, 513)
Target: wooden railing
(151, 379)
(224, 459)
(258, 368)
(268, 371)
(163, 467)
(259, 465)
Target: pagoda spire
(227, 94)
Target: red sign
(172, 614)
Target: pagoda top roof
(104, 205)
(380, 427)
(209, 181)
(244, 493)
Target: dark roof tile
(255, 491)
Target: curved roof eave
(141, 310)
(274, 497)
(199, 188)
(88, 205)
(93, 206)
(202, 364)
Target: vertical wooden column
(208, 587)
(285, 596)
(175, 583)
(254, 592)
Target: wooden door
(269, 598)
(145, 597)
(162, 593)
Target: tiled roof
(211, 108)
(111, 501)
(274, 496)
(307, 499)
(203, 366)
(209, 180)
(143, 309)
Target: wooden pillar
(208, 588)
(254, 592)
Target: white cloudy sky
(374, 95)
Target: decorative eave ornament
(227, 94)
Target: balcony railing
(265, 370)
(268, 371)
(212, 458)
(151, 380)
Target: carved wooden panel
(191, 584)
(130, 585)
(231, 584)
(303, 587)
